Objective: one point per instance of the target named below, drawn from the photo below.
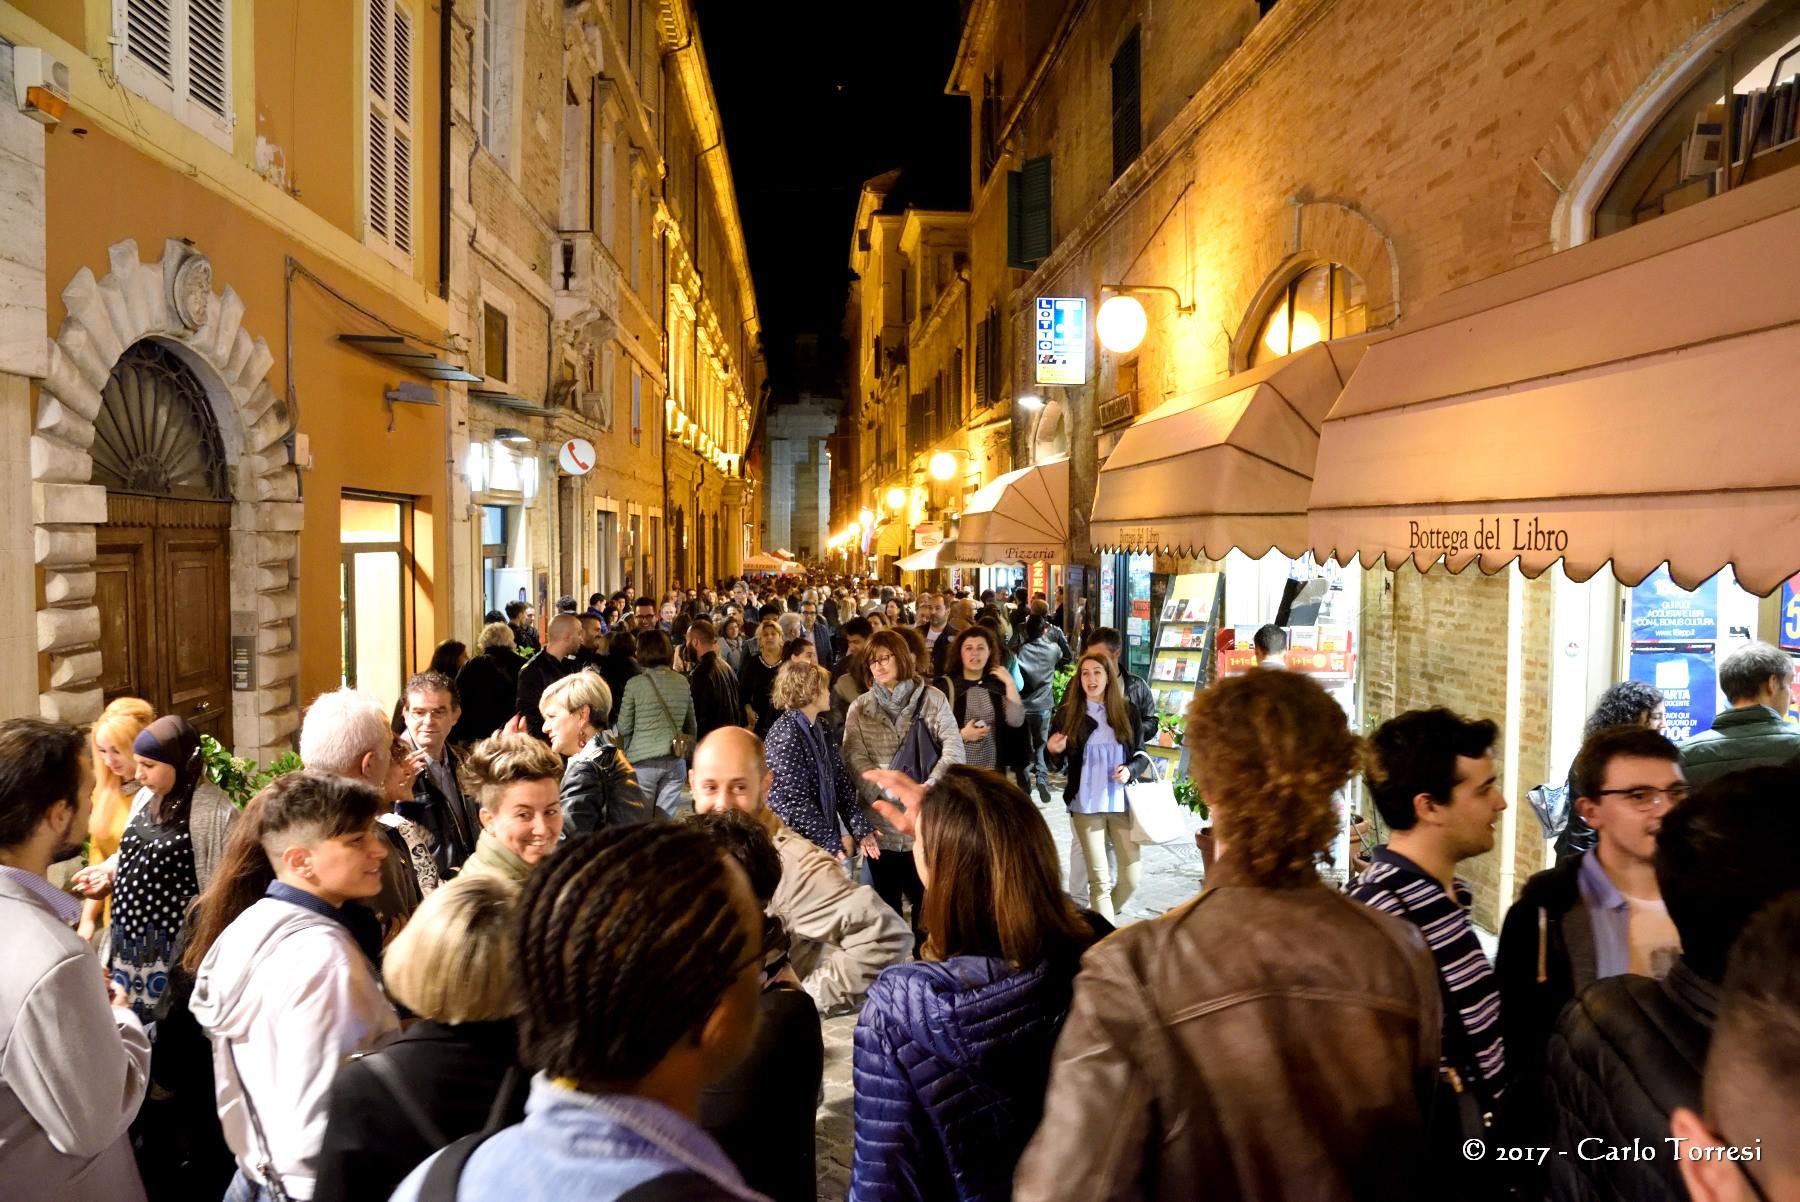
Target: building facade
(1217, 163)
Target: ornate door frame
(171, 301)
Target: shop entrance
(162, 560)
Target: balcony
(585, 277)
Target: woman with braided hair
(638, 953)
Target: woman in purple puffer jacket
(953, 1050)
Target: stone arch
(1652, 46)
(171, 301)
(1308, 232)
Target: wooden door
(163, 589)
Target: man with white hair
(347, 733)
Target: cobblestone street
(1171, 875)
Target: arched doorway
(162, 558)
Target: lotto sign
(1061, 342)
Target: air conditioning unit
(40, 85)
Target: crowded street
(965, 601)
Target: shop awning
(1021, 517)
(1227, 467)
(1636, 414)
(765, 562)
(938, 555)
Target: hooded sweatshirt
(285, 996)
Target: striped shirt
(1472, 1040)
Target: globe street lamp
(1121, 324)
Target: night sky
(818, 96)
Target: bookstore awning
(1021, 517)
(1606, 405)
(1228, 467)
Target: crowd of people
(564, 918)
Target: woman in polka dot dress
(175, 837)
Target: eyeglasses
(1645, 797)
(875, 661)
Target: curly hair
(797, 683)
(1270, 749)
(626, 941)
(1628, 703)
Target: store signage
(1038, 579)
(1790, 614)
(576, 457)
(927, 534)
(1687, 683)
(1486, 534)
(1062, 334)
(1664, 612)
(1116, 411)
(1032, 553)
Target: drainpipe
(445, 21)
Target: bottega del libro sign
(1510, 535)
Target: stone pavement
(1171, 875)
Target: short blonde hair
(578, 689)
(495, 634)
(506, 759)
(449, 963)
(797, 684)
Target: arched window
(1740, 116)
(1325, 301)
(155, 434)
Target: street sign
(576, 457)
(1060, 343)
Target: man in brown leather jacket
(1270, 1039)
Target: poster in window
(1664, 612)
(1687, 682)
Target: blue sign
(1664, 612)
(1687, 683)
(1790, 614)
(1061, 343)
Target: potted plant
(1168, 729)
(1187, 795)
(240, 778)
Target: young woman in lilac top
(1097, 744)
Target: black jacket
(1069, 761)
(452, 822)
(454, 1075)
(940, 650)
(1137, 691)
(527, 636)
(600, 789)
(1546, 958)
(539, 673)
(487, 686)
(715, 689)
(1624, 1055)
(756, 689)
(1012, 744)
(617, 671)
(764, 1114)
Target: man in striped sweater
(1433, 781)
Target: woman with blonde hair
(115, 784)
(810, 789)
(517, 781)
(599, 786)
(757, 681)
(454, 1071)
(1097, 738)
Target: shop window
(388, 98)
(374, 584)
(494, 341)
(1323, 302)
(1127, 121)
(1740, 121)
(177, 55)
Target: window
(374, 585)
(1740, 121)
(496, 529)
(494, 341)
(389, 97)
(637, 219)
(495, 46)
(1028, 214)
(1127, 123)
(177, 55)
(637, 404)
(605, 194)
(1323, 302)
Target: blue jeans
(664, 781)
(242, 1189)
(1037, 725)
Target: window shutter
(1028, 214)
(207, 78)
(402, 107)
(993, 353)
(982, 397)
(390, 124)
(1127, 124)
(149, 35)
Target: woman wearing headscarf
(174, 839)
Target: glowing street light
(943, 466)
(865, 519)
(1121, 324)
(896, 498)
(1031, 401)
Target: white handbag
(1155, 817)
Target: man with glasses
(1598, 914)
(817, 632)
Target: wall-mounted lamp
(1031, 401)
(513, 437)
(1121, 322)
(896, 498)
(943, 464)
(865, 520)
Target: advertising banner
(1687, 682)
(1790, 614)
(1061, 340)
(1664, 612)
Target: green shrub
(240, 778)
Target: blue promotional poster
(1664, 612)
(1790, 614)
(1688, 685)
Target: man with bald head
(842, 933)
(555, 661)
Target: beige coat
(842, 934)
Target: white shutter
(208, 82)
(149, 26)
(390, 124)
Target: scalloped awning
(1627, 402)
(1020, 517)
(1228, 467)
